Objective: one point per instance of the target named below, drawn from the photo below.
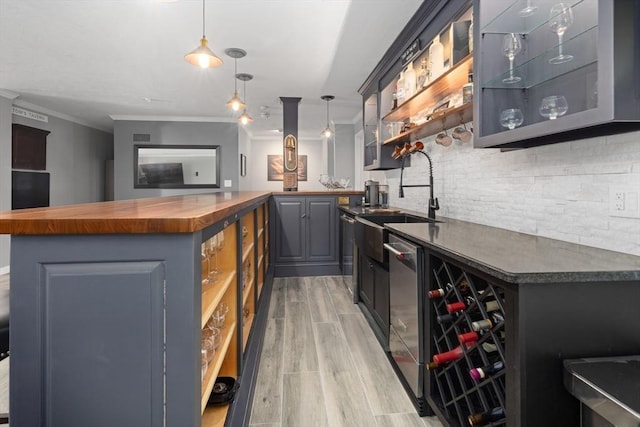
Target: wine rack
(455, 327)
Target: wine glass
(212, 245)
(561, 17)
(219, 246)
(511, 118)
(511, 46)
(528, 10)
(205, 257)
(553, 107)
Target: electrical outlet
(619, 200)
(227, 183)
(624, 202)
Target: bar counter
(172, 214)
(109, 302)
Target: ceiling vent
(141, 137)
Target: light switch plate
(227, 183)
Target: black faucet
(433, 202)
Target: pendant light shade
(327, 132)
(244, 118)
(202, 56)
(235, 103)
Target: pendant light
(235, 103)
(327, 132)
(244, 118)
(202, 56)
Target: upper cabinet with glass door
(549, 71)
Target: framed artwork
(243, 165)
(275, 167)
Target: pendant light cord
(327, 112)
(203, 35)
(235, 76)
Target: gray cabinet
(373, 288)
(596, 75)
(305, 235)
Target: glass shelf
(538, 69)
(509, 21)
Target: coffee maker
(371, 193)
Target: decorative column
(290, 143)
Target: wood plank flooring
(322, 366)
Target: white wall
(5, 175)
(559, 191)
(257, 164)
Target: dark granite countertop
(521, 258)
(515, 257)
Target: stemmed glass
(219, 246)
(511, 118)
(211, 251)
(511, 46)
(553, 107)
(528, 11)
(205, 256)
(561, 17)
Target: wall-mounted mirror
(176, 166)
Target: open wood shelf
(450, 118)
(214, 368)
(246, 329)
(214, 416)
(247, 291)
(246, 251)
(456, 77)
(214, 293)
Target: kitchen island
(109, 302)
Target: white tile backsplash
(559, 191)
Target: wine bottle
(484, 371)
(468, 337)
(449, 356)
(455, 307)
(400, 94)
(439, 293)
(422, 75)
(446, 319)
(409, 81)
(417, 146)
(484, 324)
(489, 305)
(467, 90)
(436, 58)
(405, 149)
(463, 287)
(483, 418)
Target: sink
(370, 234)
(381, 219)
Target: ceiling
(99, 60)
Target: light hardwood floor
(322, 366)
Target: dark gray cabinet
(373, 288)
(305, 235)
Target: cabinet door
(290, 230)
(321, 216)
(28, 148)
(366, 281)
(381, 297)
